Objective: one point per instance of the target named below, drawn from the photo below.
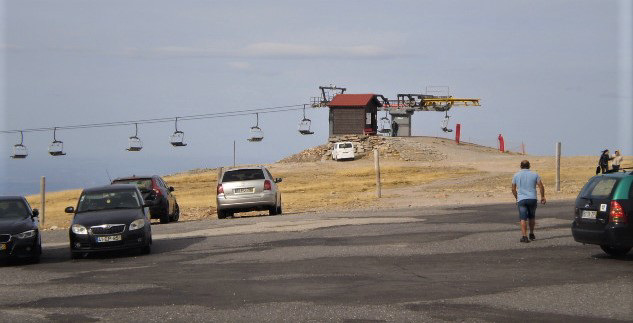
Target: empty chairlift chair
(19, 150)
(445, 123)
(135, 143)
(178, 137)
(256, 134)
(305, 123)
(385, 124)
(57, 147)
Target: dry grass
(330, 185)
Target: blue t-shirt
(525, 181)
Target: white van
(343, 150)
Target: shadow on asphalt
(604, 256)
(62, 254)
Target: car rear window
(599, 188)
(242, 175)
(143, 184)
(346, 145)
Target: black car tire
(176, 215)
(222, 214)
(35, 258)
(615, 251)
(164, 218)
(279, 210)
(147, 249)
(75, 255)
(273, 210)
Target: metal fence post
(377, 167)
(558, 152)
(42, 200)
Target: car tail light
(220, 189)
(617, 214)
(267, 185)
(156, 189)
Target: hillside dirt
(415, 172)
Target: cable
(236, 113)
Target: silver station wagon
(247, 189)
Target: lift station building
(354, 114)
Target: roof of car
(241, 168)
(110, 188)
(617, 174)
(134, 177)
(9, 198)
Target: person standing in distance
(524, 185)
(617, 161)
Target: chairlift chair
(305, 123)
(178, 137)
(445, 123)
(256, 133)
(57, 147)
(385, 124)
(19, 150)
(135, 143)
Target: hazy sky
(545, 71)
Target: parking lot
(411, 264)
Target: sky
(545, 71)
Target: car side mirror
(69, 209)
(35, 213)
(278, 180)
(171, 189)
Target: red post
(458, 129)
(502, 147)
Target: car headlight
(79, 229)
(137, 224)
(25, 234)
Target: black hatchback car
(110, 217)
(19, 233)
(604, 213)
(154, 188)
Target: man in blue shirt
(524, 185)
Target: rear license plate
(589, 214)
(109, 238)
(244, 190)
(3, 246)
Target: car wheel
(279, 210)
(164, 218)
(147, 249)
(176, 215)
(222, 214)
(272, 210)
(615, 251)
(35, 257)
(75, 255)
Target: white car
(343, 150)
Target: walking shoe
(532, 237)
(524, 239)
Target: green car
(604, 213)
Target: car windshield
(345, 145)
(143, 184)
(13, 209)
(98, 201)
(242, 175)
(599, 188)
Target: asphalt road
(451, 264)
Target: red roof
(353, 100)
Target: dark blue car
(19, 232)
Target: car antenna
(110, 178)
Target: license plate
(109, 238)
(3, 246)
(589, 214)
(244, 190)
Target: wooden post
(458, 132)
(42, 200)
(377, 167)
(558, 152)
